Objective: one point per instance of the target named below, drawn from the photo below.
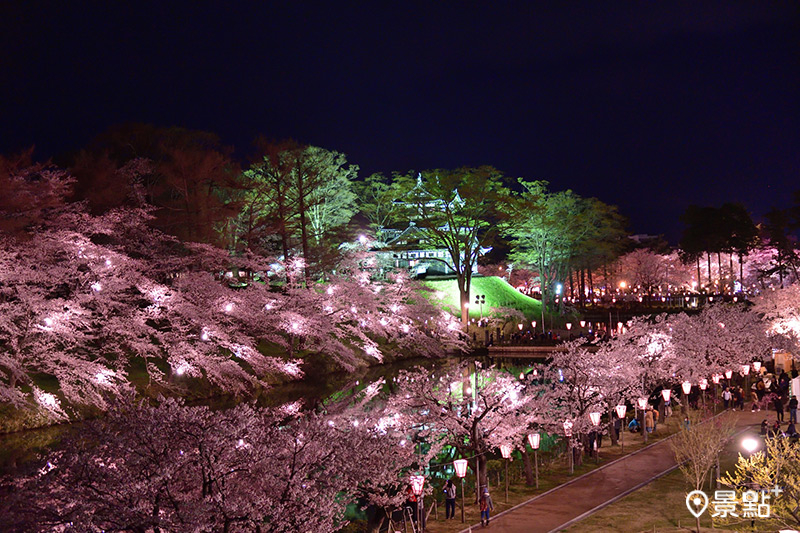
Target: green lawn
(498, 294)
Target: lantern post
(461, 471)
(533, 439)
(505, 451)
(621, 410)
(417, 487)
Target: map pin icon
(697, 502)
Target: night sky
(650, 106)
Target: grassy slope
(498, 294)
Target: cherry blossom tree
(780, 310)
(172, 467)
(474, 412)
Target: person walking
(793, 409)
(778, 403)
(486, 506)
(726, 397)
(449, 499)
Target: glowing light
(595, 418)
(642, 403)
(329, 290)
(757, 366)
(703, 384)
(108, 262)
(204, 335)
(745, 369)
(505, 451)
(622, 285)
(405, 328)
(750, 444)
(104, 376)
(665, 393)
(728, 374)
(621, 410)
(97, 286)
(686, 386)
(362, 239)
(520, 326)
(533, 324)
(567, 428)
(48, 322)
(583, 323)
(715, 378)
(461, 467)
(533, 440)
(417, 484)
(228, 307)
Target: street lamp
(568, 434)
(643, 407)
(621, 409)
(505, 451)
(533, 439)
(461, 471)
(703, 387)
(595, 419)
(417, 486)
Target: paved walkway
(568, 503)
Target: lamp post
(461, 471)
(568, 434)
(621, 409)
(642, 407)
(716, 379)
(417, 486)
(703, 387)
(594, 417)
(746, 374)
(686, 387)
(480, 299)
(505, 451)
(533, 439)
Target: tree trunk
(741, 270)
(583, 288)
(376, 516)
(730, 266)
(591, 284)
(611, 431)
(699, 280)
(708, 259)
(719, 270)
(527, 467)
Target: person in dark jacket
(793, 409)
(778, 403)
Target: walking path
(575, 500)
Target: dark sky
(648, 105)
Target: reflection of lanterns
(745, 369)
(505, 451)
(567, 428)
(595, 418)
(621, 410)
(533, 440)
(665, 394)
(417, 483)
(757, 366)
(728, 374)
(686, 386)
(569, 325)
(642, 403)
(703, 384)
(461, 467)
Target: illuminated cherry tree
(781, 313)
(474, 412)
(177, 468)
